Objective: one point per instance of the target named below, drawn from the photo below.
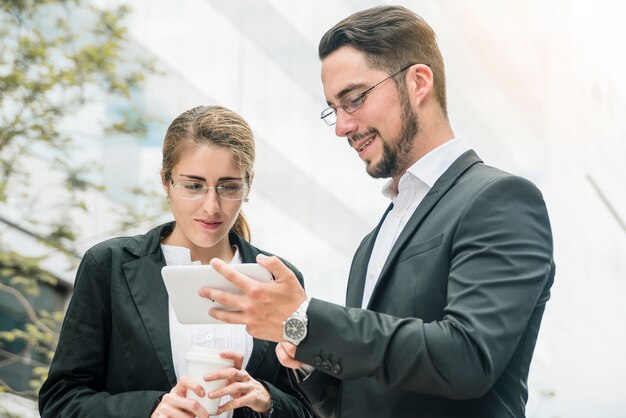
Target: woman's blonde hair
(213, 125)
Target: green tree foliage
(56, 57)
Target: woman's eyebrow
(200, 178)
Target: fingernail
(261, 257)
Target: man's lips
(364, 144)
(360, 142)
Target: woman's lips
(206, 224)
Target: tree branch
(14, 358)
(32, 315)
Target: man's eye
(351, 102)
(354, 101)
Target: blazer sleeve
(286, 402)
(76, 384)
(500, 267)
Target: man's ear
(420, 82)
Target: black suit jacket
(453, 319)
(114, 357)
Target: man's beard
(397, 152)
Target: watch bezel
(302, 321)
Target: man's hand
(263, 307)
(286, 352)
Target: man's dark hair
(390, 37)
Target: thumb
(278, 269)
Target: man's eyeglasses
(194, 190)
(353, 102)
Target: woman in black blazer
(120, 352)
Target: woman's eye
(194, 186)
(231, 186)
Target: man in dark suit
(446, 295)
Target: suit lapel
(259, 350)
(439, 189)
(358, 269)
(146, 286)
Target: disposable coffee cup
(200, 361)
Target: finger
(171, 411)
(175, 406)
(187, 382)
(255, 396)
(230, 317)
(230, 373)
(224, 298)
(235, 356)
(289, 348)
(234, 404)
(285, 358)
(234, 390)
(237, 278)
(278, 269)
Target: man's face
(383, 129)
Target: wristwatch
(295, 327)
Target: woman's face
(203, 223)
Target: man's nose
(346, 124)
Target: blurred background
(537, 88)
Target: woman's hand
(175, 404)
(241, 387)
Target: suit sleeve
(76, 384)
(500, 267)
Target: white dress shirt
(412, 188)
(218, 336)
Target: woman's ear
(250, 178)
(164, 183)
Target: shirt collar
(178, 256)
(430, 167)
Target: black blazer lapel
(439, 189)
(146, 286)
(358, 269)
(259, 351)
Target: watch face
(295, 329)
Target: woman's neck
(222, 250)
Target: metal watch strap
(303, 307)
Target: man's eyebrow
(347, 90)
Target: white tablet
(183, 282)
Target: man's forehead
(344, 70)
